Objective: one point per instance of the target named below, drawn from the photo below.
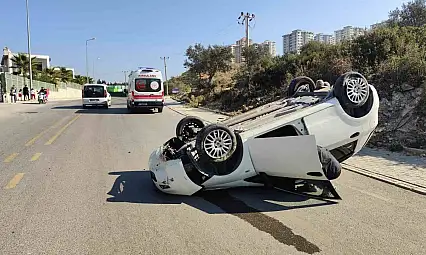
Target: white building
(293, 42)
(41, 61)
(233, 48)
(377, 25)
(348, 33)
(271, 46)
(239, 46)
(327, 39)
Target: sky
(133, 33)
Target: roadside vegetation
(50, 75)
(392, 57)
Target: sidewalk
(408, 172)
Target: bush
(196, 101)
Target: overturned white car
(291, 144)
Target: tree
(64, 75)
(22, 62)
(411, 14)
(208, 61)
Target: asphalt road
(73, 182)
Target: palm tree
(65, 75)
(22, 62)
(80, 79)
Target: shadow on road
(173, 103)
(99, 110)
(67, 107)
(137, 187)
(30, 103)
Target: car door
(290, 157)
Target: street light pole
(87, 60)
(94, 69)
(29, 45)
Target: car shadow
(137, 187)
(100, 110)
(173, 103)
(67, 107)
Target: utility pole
(165, 73)
(125, 76)
(246, 18)
(29, 46)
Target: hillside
(392, 58)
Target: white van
(145, 89)
(95, 95)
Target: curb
(215, 111)
(183, 114)
(387, 179)
(207, 109)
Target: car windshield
(147, 85)
(93, 91)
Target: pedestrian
(20, 94)
(33, 94)
(13, 94)
(26, 93)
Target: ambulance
(145, 89)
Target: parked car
(292, 143)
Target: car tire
(301, 83)
(352, 90)
(213, 137)
(182, 131)
(160, 109)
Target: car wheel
(352, 90)
(300, 84)
(184, 129)
(160, 109)
(215, 143)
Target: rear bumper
(146, 104)
(99, 102)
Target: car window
(147, 85)
(93, 91)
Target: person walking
(13, 94)
(26, 93)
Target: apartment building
(348, 33)
(323, 38)
(271, 46)
(293, 42)
(377, 25)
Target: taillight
(105, 93)
(133, 93)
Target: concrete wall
(68, 93)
